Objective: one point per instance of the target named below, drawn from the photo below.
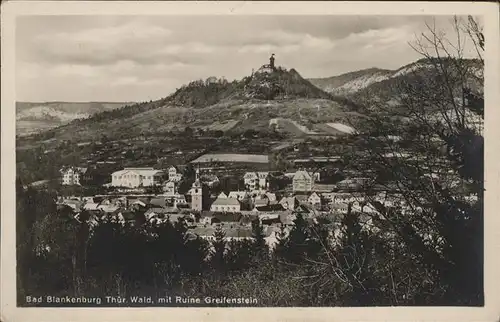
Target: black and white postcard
(296, 161)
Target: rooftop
(224, 201)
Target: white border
(9, 11)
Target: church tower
(197, 193)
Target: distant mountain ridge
(381, 84)
(33, 117)
(351, 82)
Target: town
(144, 194)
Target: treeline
(201, 93)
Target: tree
(218, 133)
(240, 254)
(188, 132)
(296, 249)
(260, 247)
(218, 252)
(439, 172)
(281, 246)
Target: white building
(238, 195)
(222, 195)
(226, 205)
(289, 203)
(256, 180)
(169, 188)
(251, 180)
(345, 197)
(314, 199)
(137, 177)
(302, 181)
(72, 175)
(263, 179)
(174, 175)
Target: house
(302, 181)
(108, 208)
(323, 188)
(177, 201)
(251, 180)
(289, 203)
(275, 220)
(88, 199)
(260, 202)
(222, 195)
(270, 208)
(159, 202)
(346, 197)
(127, 217)
(238, 233)
(248, 218)
(314, 199)
(76, 205)
(174, 175)
(139, 204)
(302, 198)
(366, 208)
(225, 205)
(160, 214)
(341, 208)
(72, 175)
(287, 218)
(210, 179)
(169, 188)
(90, 206)
(328, 196)
(238, 195)
(271, 197)
(351, 184)
(263, 179)
(136, 177)
(243, 197)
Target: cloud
(147, 57)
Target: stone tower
(271, 62)
(197, 193)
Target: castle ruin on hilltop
(268, 68)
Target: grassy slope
(251, 114)
(240, 101)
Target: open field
(246, 158)
(333, 129)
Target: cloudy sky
(137, 58)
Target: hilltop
(264, 84)
(217, 104)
